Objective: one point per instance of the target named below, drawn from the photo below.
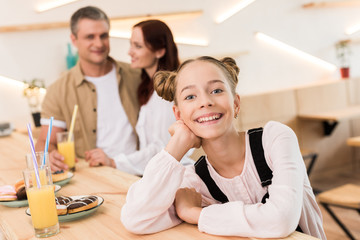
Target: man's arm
(40, 144)
(55, 158)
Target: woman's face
(141, 55)
(205, 102)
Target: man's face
(92, 41)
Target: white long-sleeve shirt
(149, 204)
(155, 117)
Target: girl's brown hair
(165, 81)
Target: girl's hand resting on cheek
(182, 140)
(188, 205)
(179, 128)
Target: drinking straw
(33, 155)
(72, 122)
(47, 140)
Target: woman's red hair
(157, 35)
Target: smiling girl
(205, 105)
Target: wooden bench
(346, 196)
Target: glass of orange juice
(42, 202)
(66, 148)
(40, 160)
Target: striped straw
(47, 141)
(33, 155)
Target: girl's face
(141, 55)
(205, 102)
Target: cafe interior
(297, 63)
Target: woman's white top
(149, 204)
(155, 117)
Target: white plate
(66, 180)
(57, 187)
(22, 203)
(78, 215)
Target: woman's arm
(136, 162)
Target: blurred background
(290, 52)
(278, 44)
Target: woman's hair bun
(164, 84)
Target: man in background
(104, 90)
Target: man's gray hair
(89, 12)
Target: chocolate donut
(63, 200)
(21, 193)
(82, 204)
(61, 209)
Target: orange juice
(67, 149)
(42, 176)
(42, 206)
(39, 156)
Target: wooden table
(354, 141)
(105, 223)
(331, 118)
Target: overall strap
(202, 171)
(257, 151)
(264, 172)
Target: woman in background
(152, 48)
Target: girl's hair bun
(165, 81)
(164, 84)
(231, 66)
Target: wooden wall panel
(322, 97)
(353, 87)
(258, 109)
(333, 151)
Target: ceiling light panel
(233, 10)
(45, 5)
(294, 51)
